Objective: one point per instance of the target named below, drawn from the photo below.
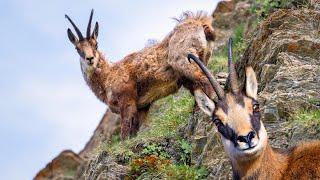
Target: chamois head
(236, 114)
(86, 46)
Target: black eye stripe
(225, 130)
(255, 121)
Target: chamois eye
(256, 108)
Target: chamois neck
(270, 164)
(95, 77)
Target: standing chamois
(236, 115)
(131, 85)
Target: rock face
(227, 16)
(285, 54)
(64, 166)
(102, 167)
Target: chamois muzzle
(247, 139)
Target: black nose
(89, 58)
(247, 139)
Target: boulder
(64, 166)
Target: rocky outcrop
(102, 167)
(228, 15)
(64, 166)
(285, 54)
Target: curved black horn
(214, 83)
(75, 28)
(89, 25)
(232, 72)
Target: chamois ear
(95, 31)
(204, 102)
(72, 37)
(251, 83)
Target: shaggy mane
(191, 16)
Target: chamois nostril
(247, 138)
(89, 58)
(242, 139)
(251, 135)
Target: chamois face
(88, 52)
(237, 118)
(86, 47)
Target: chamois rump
(236, 115)
(131, 85)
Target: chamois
(236, 115)
(131, 85)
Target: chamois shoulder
(304, 162)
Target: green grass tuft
(184, 172)
(165, 117)
(306, 116)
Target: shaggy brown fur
(237, 117)
(131, 85)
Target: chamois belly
(156, 91)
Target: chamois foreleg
(129, 119)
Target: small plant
(307, 116)
(156, 150)
(186, 150)
(262, 8)
(147, 165)
(185, 172)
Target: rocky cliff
(279, 39)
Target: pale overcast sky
(46, 106)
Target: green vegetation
(239, 44)
(308, 117)
(306, 123)
(165, 117)
(185, 153)
(314, 101)
(154, 161)
(184, 172)
(146, 155)
(262, 8)
(219, 61)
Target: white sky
(46, 106)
